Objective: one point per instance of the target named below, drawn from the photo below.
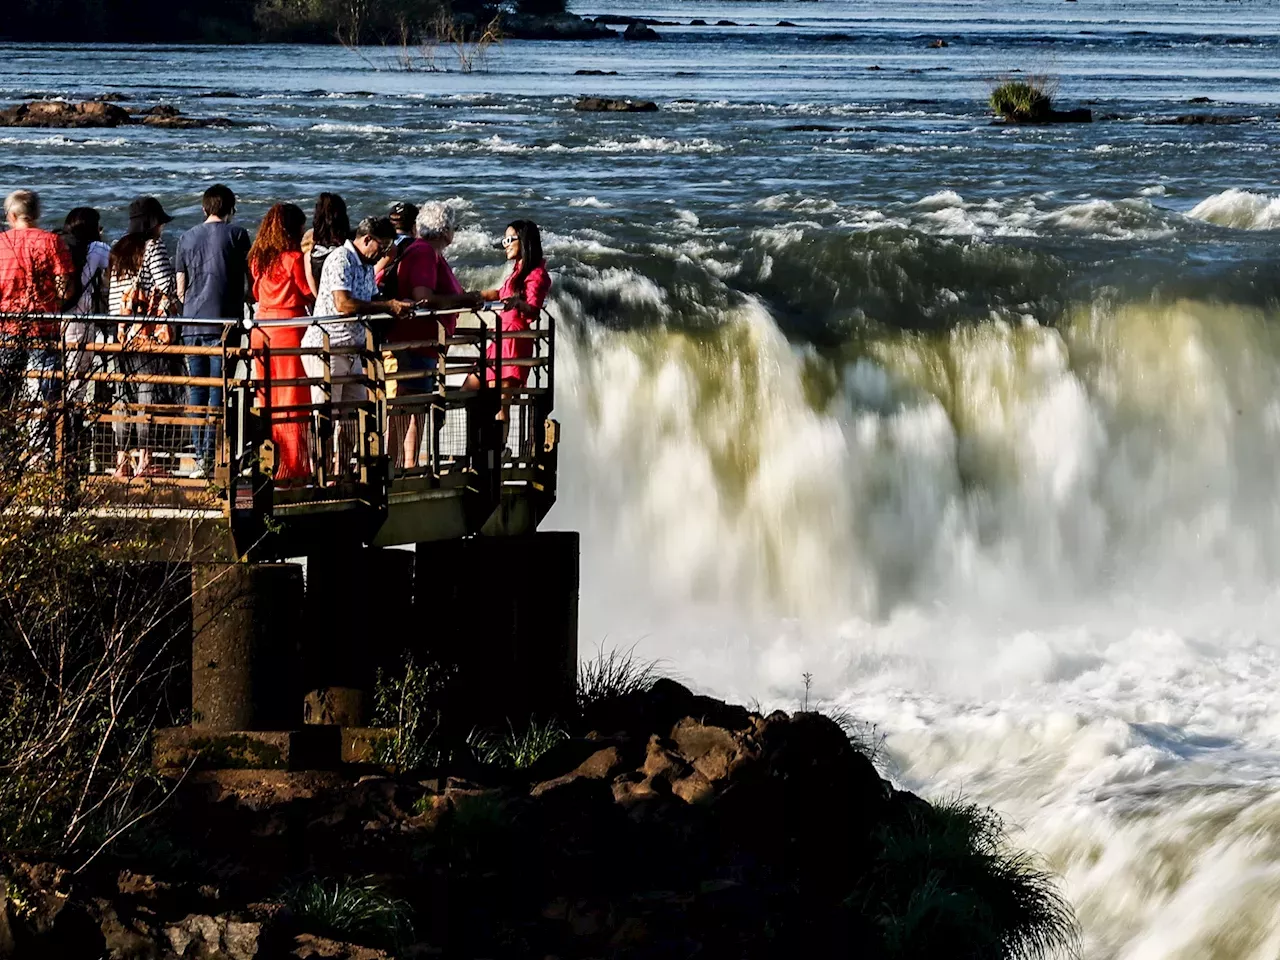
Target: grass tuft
(1024, 99)
(946, 876)
(618, 673)
(356, 910)
(517, 751)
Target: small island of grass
(1030, 101)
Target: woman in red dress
(281, 290)
(522, 293)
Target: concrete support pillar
(359, 614)
(504, 612)
(246, 622)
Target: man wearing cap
(211, 269)
(35, 272)
(402, 216)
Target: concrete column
(246, 623)
(359, 612)
(504, 612)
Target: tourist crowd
(60, 284)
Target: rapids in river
(978, 426)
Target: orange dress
(282, 293)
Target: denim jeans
(204, 438)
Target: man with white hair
(35, 273)
(425, 278)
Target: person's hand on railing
(400, 308)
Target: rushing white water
(1041, 560)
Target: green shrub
(411, 705)
(352, 909)
(945, 876)
(517, 751)
(1022, 100)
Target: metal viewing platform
(125, 434)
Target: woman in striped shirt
(143, 287)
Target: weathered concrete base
(177, 749)
(337, 706)
(360, 745)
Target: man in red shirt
(35, 277)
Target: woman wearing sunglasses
(522, 294)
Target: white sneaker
(197, 472)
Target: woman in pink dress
(522, 294)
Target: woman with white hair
(423, 275)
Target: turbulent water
(979, 426)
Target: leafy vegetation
(411, 704)
(353, 909)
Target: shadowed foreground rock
(678, 826)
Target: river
(979, 426)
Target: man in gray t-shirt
(211, 268)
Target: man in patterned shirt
(35, 273)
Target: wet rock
(726, 23)
(1201, 119)
(784, 23)
(1050, 117)
(697, 23)
(1201, 100)
(59, 113)
(56, 114)
(595, 73)
(640, 31)
(607, 105)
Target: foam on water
(1040, 560)
(1239, 209)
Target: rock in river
(640, 31)
(606, 105)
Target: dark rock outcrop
(1046, 117)
(1202, 119)
(562, 26)
(609, 105)
(677, 826)
(595, 73)
(640, 31)
(55, 114)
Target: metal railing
(261, 420)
